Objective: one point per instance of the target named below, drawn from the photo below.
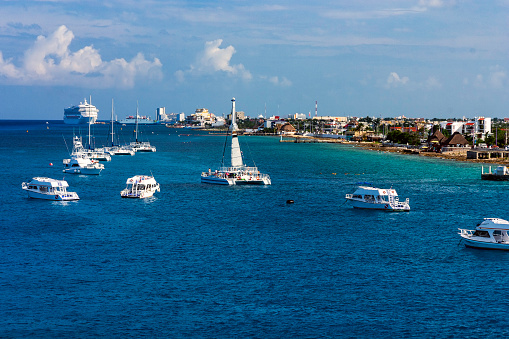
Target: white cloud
(431, 3)
(394, 80)
(284, 82)
(50, 62)
(215, 59)
(7, 68)
(497, 77)
(432, 82)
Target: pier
(305, 140)
(486, 153)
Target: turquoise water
(201, 260)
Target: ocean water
(209, 261)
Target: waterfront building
(161, 114)
(452, 126)
(331, 118)
(172, 118)
(240, 115)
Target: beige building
(240, 115)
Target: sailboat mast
(89, 144)
(112, 140)
(136, 130)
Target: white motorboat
(369, 197)
(49, 189)
(237, 173)
(140, 186)
(492, 233)
(84, 113)
(81, 164)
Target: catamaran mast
(235, 153)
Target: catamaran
(237, 173)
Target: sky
(417, 58)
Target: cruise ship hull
(79, 120)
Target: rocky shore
(456, 156)
(445, 156)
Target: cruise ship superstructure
(81, 114)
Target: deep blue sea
(210, 261)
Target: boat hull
(495, 177)
(79, 121)
(381, 207)
(212, 179)
(85, 171)
(146, 194)
(251, 182)
(54, 197)
(485, 245)
(217, 181)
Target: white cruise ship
(81, 114)
(142, 120)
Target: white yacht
(492, 233)
(81, 164)
(369, 197)
(141, 146)
(119, 150)
(95, 154)
(84, 113)
(237, 173)
(49, 189)
(140, 186)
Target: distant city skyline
(421, 58)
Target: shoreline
(408, 151)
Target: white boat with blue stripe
(492, 234)
(49, 189)
(386, 199)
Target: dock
(486, 153)
(300, 140)
(501, 173)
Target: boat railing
(465, 232)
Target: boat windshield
(484, 234)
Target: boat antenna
(65, 142)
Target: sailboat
(139, 146)
(117, 149)
(92, 153)
(237, 173)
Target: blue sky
(418, 58)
